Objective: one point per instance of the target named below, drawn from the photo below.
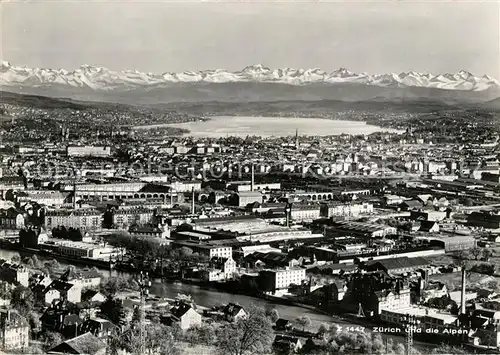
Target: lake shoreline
(273, 126)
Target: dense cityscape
(110, 232)
(249, 177)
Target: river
(222, 126)
(208, 298)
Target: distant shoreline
(248, 127)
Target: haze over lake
(222, 126)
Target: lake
(222, 126)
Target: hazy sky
(159, 36)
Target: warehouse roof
(398, 263)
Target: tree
(448, 349)
(138, 316)
(52, 267)
(187, 299)
(484, 268)
(159, 339)
(50, 339)
(378, 346)
(400, 349)
(468, 202)
(475, 252)
(16, 258)
(115, 284)
(35, 262)
(22, 299)
(113, 309)
(5, 290)
(35, 324)
(487, 253)
(303, 321)
(250, 335)
(273, 314)
(204, 334)
(323, 329)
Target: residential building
(46, 197)
(220, 269)
(337, 209)
(276, 280)
(304, 213)
(208, 249)
(88, 151)
(427, 215)
(184, 315)
(100, 328)
(287, 344)
(233, 312)
(65, 291)
(150, 231)
(93, 296)
(124, 218)
(243, 198)
(85, 219)
(84, 344)
(11, 218)
(14, 330)
(428, 318)
(14, 273)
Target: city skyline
(174, 37)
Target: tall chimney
(287, 214)
(74, 196)
(252, 182)
(462, 298)
(297, 139)
(192, 201)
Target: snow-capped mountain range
(102, 79)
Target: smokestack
(192, 201)
(297, 139)
(74, 196)
(252, 182)
(287, 214)
(462, 298)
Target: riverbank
(208, 297)
(23, 252)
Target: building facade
(275, 280)
(84, 219)
(14, 330)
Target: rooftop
(424, 312)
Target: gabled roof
(398, 263)
(281, 322)
(86, 344)
(232, 309)
(426, 226)
(412, 203)
(60, 285)
(88, 294)
(180, 310)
